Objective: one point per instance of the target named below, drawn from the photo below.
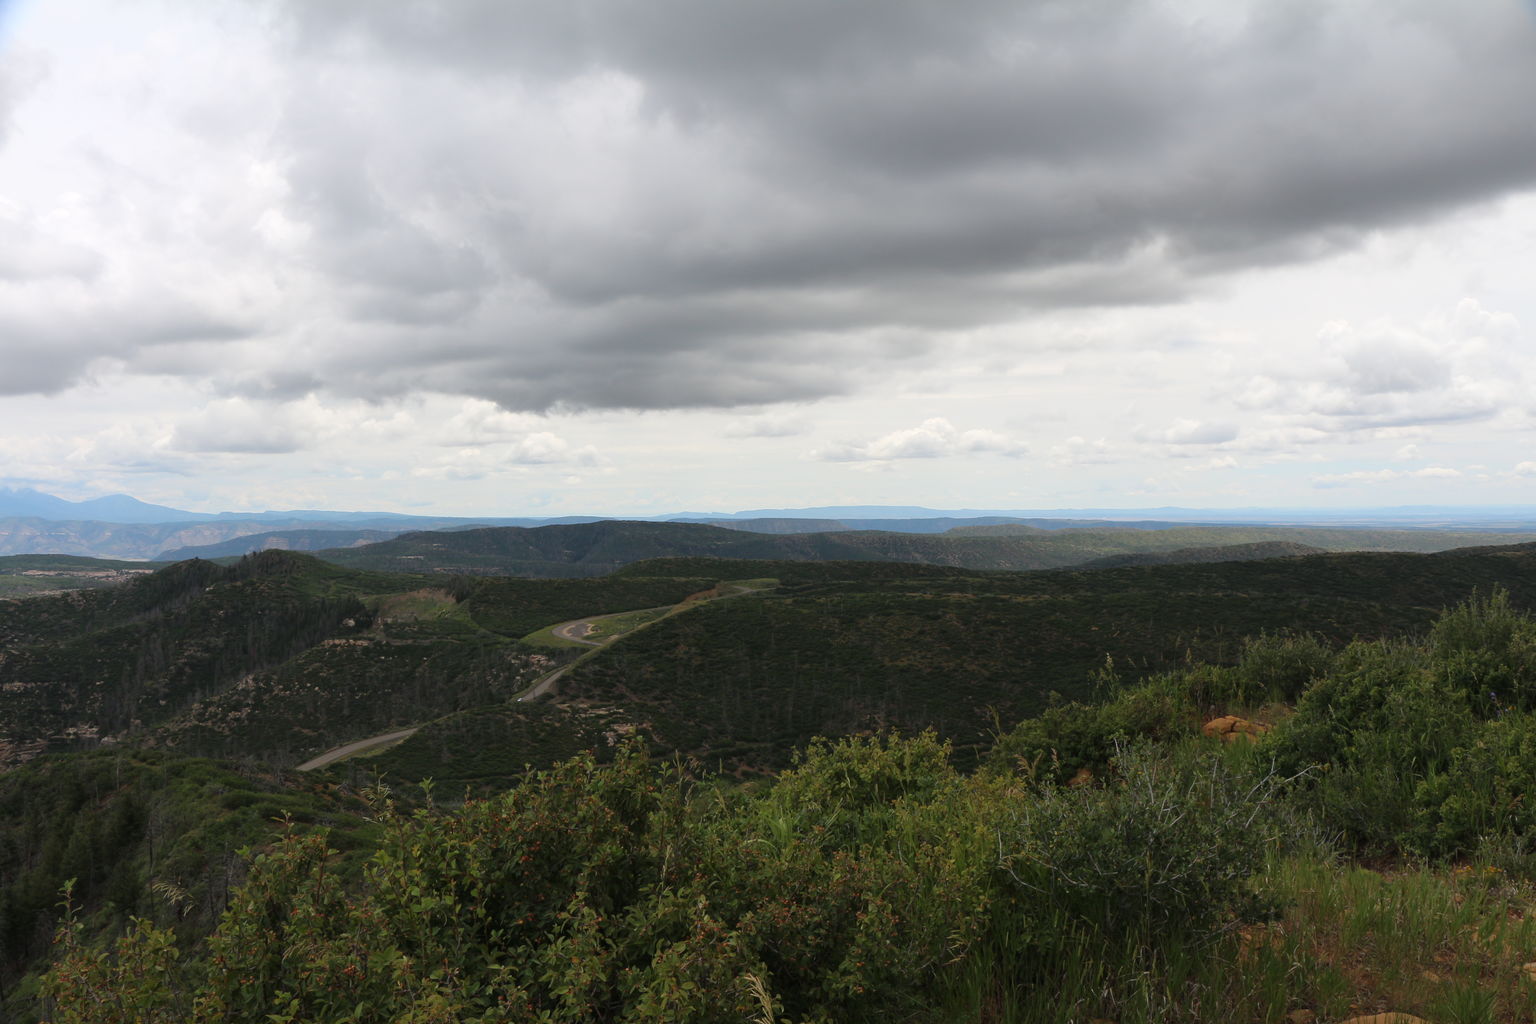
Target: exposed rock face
(1231, 729)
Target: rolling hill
(597, 548)
(109, 698)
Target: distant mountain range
(123, 527)
(26, 503)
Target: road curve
(337, 753)
(577, 629)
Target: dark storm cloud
(779, 189)
(55, 345)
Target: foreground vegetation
(1361, 840)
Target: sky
(507, 257)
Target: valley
(310, 684)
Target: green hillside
(595, 549)
(141, 834)
(1360, 849)
(31, 575)
(282, 655)
(1220, 553)
(742, 683)
(279, 655)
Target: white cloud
(768, 426)
(479, 422)
(1380, 378)
(935, 438)
(1079, 451)
(245, 426)
(1378, 476)
(535, 450)
(1187, 431)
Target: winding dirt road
(575, 631)
(356, 747)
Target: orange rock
(1220, 726)
(1301, 1017)
(1386, 1018)
(1229, 727)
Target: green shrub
(1483, 792)
(1487, 649)
(1281, 666)
(1068, 738)
(1170, 849)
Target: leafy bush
(1068, 738)
(1483, 792)
(1170, 849)
(1487, 648)
(1282, 666)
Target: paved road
(542, 686)
(577, 630)
(358, 746)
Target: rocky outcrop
(1231, 729)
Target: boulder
(1230, 729)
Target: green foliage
(1483, 792)
(1427, 747)
(865, 647)
(136, 984)
(1280, 667)
(1070, 738)
(862, 886)
(139, 835)
(1487, 648)
(1173, 845)
(871, 880)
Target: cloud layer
(514, 236)
(693, 204)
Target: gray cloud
(238, 426)
(28, 253)
(688, 203)
(920, 161)
(54, 341)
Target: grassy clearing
(606, 628)
(1447, 944)
(426, 603)
(546, 638)
(611, 627)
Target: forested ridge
(1181, 874)
(667, 839)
